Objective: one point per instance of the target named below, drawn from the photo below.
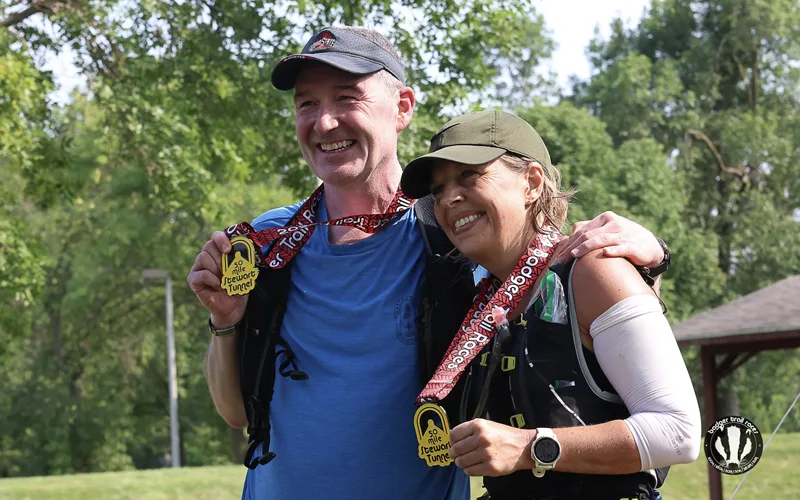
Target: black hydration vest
(536, 357)
(447, 294)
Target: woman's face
(484, 209)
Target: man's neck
(371, 197)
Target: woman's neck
(506, 266)
(503, 261)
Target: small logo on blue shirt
(404, 316)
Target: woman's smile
(466, 222)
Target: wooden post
(710, 397)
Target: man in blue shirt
(347, 431)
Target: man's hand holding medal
(206, 281)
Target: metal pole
(710, 378)
(172, 372)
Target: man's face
(347, 125)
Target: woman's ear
(535, 178)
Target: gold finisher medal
(434, 441)
(239, 271)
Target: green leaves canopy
(179, 133)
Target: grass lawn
(200, 483)
(776, 476)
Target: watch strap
(542, 467)
(664, 265)
(223, 332)
(649, 274)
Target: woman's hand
(485, 448)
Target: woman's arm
(635, 348)
(638, 354)
(637, 351)
(485, 448)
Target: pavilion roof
(770, 310)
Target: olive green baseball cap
(475, 139)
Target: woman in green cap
(575, 385)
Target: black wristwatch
(649, 274)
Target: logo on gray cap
(324, 41)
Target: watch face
(546, 450)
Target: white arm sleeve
(637, 351)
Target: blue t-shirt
(347, 432)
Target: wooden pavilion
(732, 333)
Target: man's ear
(536, 180)
(405, 107)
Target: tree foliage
(717, 84)
(179, 133)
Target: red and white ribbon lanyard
(291, 237)
(478, 327)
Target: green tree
(23, 140)
(716, 83)
(180, 133)
(635, 180)
(711, 81)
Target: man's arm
(222, 364)
(222, 373)
(617, 236)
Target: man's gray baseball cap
(344, 50)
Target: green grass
(776, 476)
(199, 483)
